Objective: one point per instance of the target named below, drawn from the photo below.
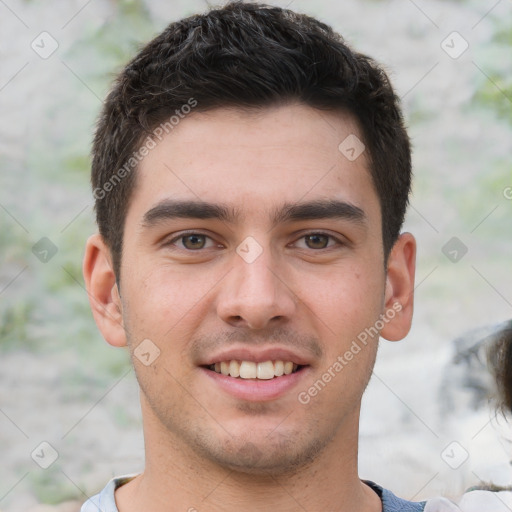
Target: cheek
(161, 302)
(344, 301)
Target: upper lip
(256, 356)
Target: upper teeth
(251, 370)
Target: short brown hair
(252, 56)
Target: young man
(251, 175)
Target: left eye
(317, 240)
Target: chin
(266, 456)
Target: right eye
(191, 241)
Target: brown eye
(193, 241)
(317, 241)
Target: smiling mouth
(266, 370)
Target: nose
(255, 294)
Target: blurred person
(499, 359)
(487, 497)
(251, 175)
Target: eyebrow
(319, 209)
(171, 209)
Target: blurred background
(69, 411)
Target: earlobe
(399, 294)
(100, 281)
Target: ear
(100, 282)
(399, 295)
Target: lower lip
(256, 390)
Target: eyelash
(304, 235)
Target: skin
(205, 448)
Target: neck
(175, 474)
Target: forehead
(257, 161)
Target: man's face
(291, 271)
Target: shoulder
(105, 500)
(392, 503)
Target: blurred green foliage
(47, 308)
(51, 487)
(496, 92)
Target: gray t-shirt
(105, 502)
